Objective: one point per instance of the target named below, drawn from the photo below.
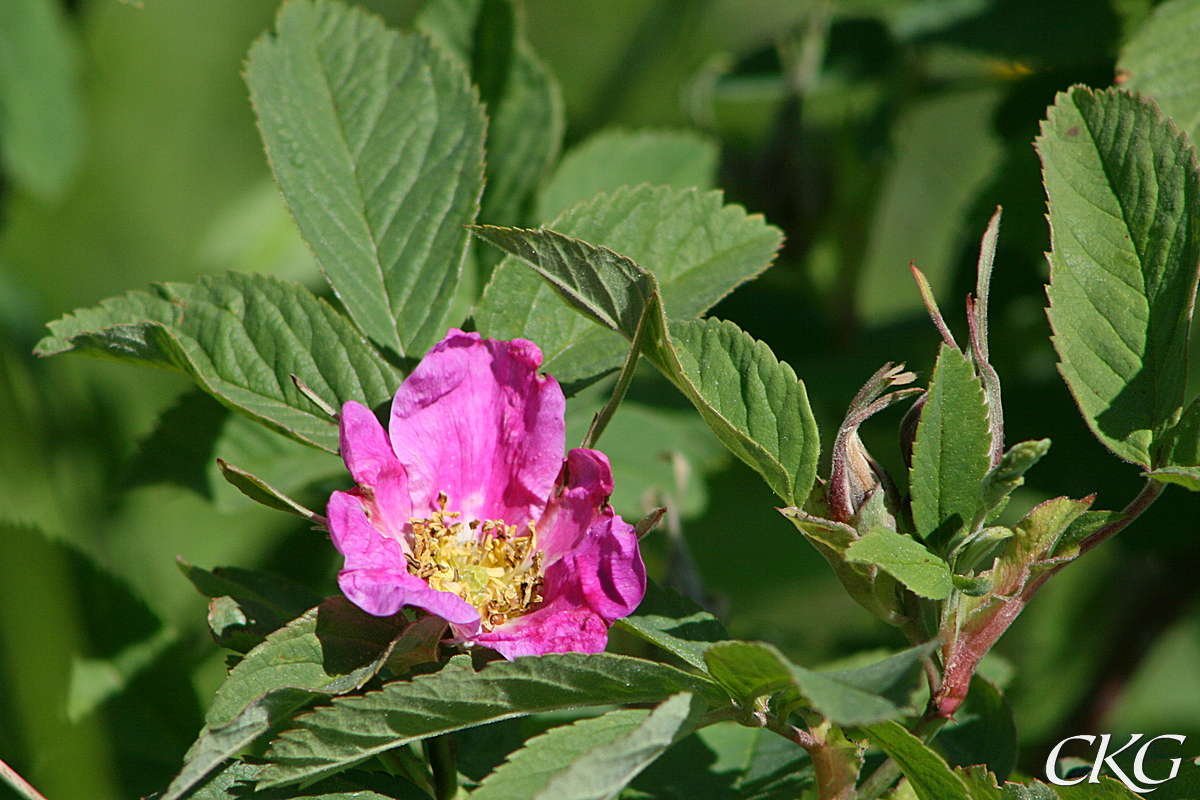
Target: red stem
(961, 663)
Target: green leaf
(1154, 63)
(602, 773)
(1123, 195)
(525, 124)
(1187, 477)
(641, 469)
(41, 106)
(352, 730)
(262, 492)
(524, 136)
(235, 782)
(749, 670)
(950, 454)
(698, 248)
(531, 767)
(241, 338)
(674, 623)
(285, 464)
(608, 288)
(906, 560)
(983, 732)
(1181, 461)
(332, 649)
(376, 140)
(927, 772)
(752, 402)
(1107, 788)
(612, 159)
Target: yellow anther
(494, 568)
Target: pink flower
(466, 508)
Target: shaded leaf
(983, 732)
(612, 159)
(749, 670)
(1123, 194)
(1157, 62)
(604, 771)
(352, 730)
(241, 338)
(180, 448)
(698, 248)
(376, 140)
(906, 560)
(946, 149)
(641, 471)
(332, 649)
(265, 601)
(41, 106)
(674, 623)
(927, 772)
(950, 454)
(524, 135)
(235, 782)
(529, 769)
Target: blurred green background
(872, 131)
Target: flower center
(495, 568)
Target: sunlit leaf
(610, 160)
(1124, 195)
(906, 560)
(698, 248)
(927, 772)
(332, 649)
(352, 730)
(950, 454)
(376, 140)
(241, 338)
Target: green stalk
(443, 761)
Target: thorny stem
(939, 713)
(960, 665)
(19, 784)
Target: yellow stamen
(496, 569)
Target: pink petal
(375, 576)
(554, 628)
(587, 480)
(593, 577)
(364, 444)
(476, 421)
